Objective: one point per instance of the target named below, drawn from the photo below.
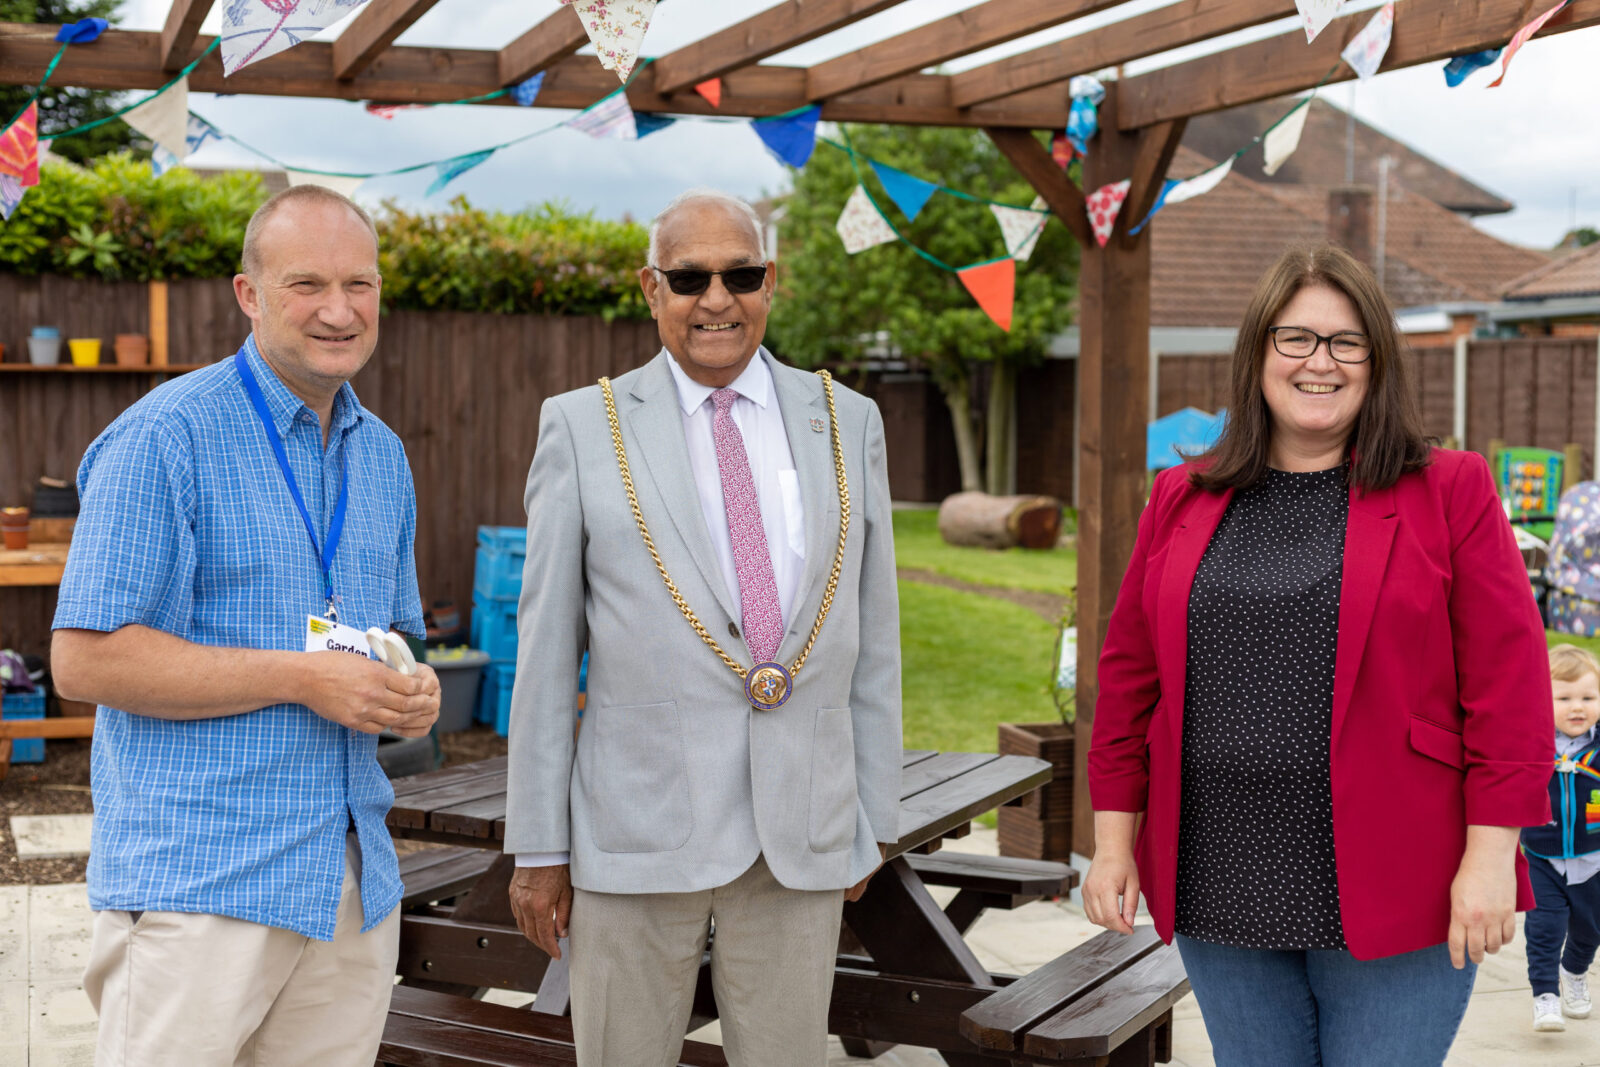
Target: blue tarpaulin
(1188, 431)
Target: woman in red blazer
(1326, 667)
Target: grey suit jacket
(674, 783)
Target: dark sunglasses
(693, 281)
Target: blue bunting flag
(525, 93)
(1456, 71)
(908, 193)
(790, 137)
(451, 169)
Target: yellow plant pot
(85, 351)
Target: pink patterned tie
(758, 589)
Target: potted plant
(132, 349)
(44, 345)
(1040, 827)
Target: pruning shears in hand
(391, 649)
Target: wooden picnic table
(904, 975)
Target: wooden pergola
(1141, 123)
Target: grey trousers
(635, 959)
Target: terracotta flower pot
(132, 349)
(14, 525)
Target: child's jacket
(1575, 802)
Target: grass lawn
(1552, 639)
(917, 545)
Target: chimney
(1350, 220)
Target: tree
(833, 307)
(64, 108)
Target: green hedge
(115, 220)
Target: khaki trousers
(636, 957)
(210, 991)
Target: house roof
(1208, 253)
(1575, 274)
(1320, 159)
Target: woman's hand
(1483, 897)
(1111, 891)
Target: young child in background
(1564, 854)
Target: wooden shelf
(35, 565)
(99, 368)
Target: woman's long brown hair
(1388, 439)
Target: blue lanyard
(326, 553)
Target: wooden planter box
(1040, 826)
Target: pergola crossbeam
(1425, 31)
(772, 31)
(1121, 42)
(560, 35)
(373, 31)
(182, 28)
(972, 30)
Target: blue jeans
(1324, 1007)
(1563, 912)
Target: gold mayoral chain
(766, 685)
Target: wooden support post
(158, 324)
(1572, 468)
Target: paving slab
(13, 934)
(13, 1021)
(43, 837)
(60, 929)
(59, 1013)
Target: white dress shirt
(766, 444)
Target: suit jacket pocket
(635, 774)
(1438, 742)
(832, 826)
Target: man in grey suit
(714, 527)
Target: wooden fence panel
(1433, 371)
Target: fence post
(1571, 466)
(158, 324)
(1596, 452)
(1496, 446)
(1458, 422)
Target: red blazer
(1441, 695)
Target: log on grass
(985, 521)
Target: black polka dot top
(1255, 833)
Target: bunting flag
(11, 192)
(791, 137)
(1083, 122)
(1366, 49)
(1020, 228)
(611, 117)
(81, 32)
(387, 112)
(164, 118)
(1281, 141)
(994, 287)
(256, 29)
(1456, 71)
(1176, 192)
(1521, 38)
(1103, 207)
(908, 193)
(1316, 14)
(861, 226)
(344, 186)
(616, 29)
(524, 93)
(1061, 149)
(646, 122)
(199, 131)
(451, 169)
(19, 147)
(711, 90)
(1086, 86)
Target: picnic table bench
(904, 975)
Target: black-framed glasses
(1297, 342)
(692, 281)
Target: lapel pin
(816, 425)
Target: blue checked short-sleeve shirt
(187, 526)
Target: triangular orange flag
(19, 147)
(711, 90)
(994, 287)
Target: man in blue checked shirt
(242, 526)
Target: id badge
(325, 635)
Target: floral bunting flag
(256, 29)
(1061, 149)
(860, 224)
(1176, 192)
(616, 29)
(164, 118)
(198, 133)
(908, 193)
(1521, 38)
(1087, 85)
(1456, 71)
(994, 287)
(1020, 227)
(451, 169)
(1281, 141)
(342, 184)
(387, 112)
(524, 93)
(1366, 49)
(19, 147)
(792, 137)
(611, 117)
(1316, 14)
(11, 193)
(711, 90)
(1103, 207)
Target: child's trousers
(1569, 913)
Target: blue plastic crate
(502, 550)
(25, 706)
(494, 627)
(488, 694)
(505, 678)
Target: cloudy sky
(1532, 140)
